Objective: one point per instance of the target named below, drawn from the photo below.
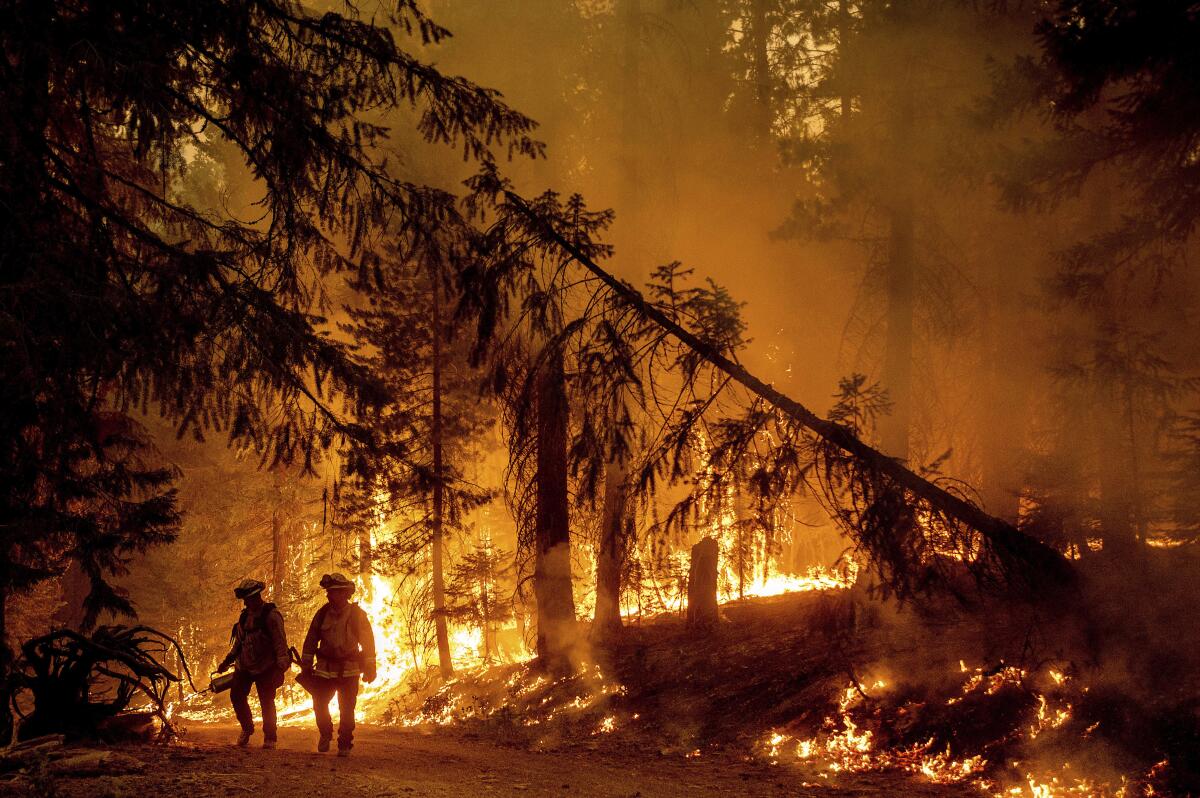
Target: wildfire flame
(844, 746)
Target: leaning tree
(672, 355)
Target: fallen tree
(1018, 557)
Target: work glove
(225, 665)
(369, 675)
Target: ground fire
(599, 397)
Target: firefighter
(260, 659)
(343, 646)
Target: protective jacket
(341, 641)
(259, 642)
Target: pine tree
(120, 294)
(414, 475)
(1118, 81)
(479, 591)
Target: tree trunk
(843, 39)
(1004, 403)
(489, 628)
(610, 560)
(278, 554)
(445, 664)
(1112, 402)
(552, 565)
(702, 610)
(75, 589)
(629, 191)
(1116, 509)
(743, 540)
(7, 727)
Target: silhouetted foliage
(120, 294)
(79, 681)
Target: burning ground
(1004, 701)
(816, 692)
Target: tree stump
(702, 586)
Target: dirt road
(394, 762)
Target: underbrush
(1018, 699)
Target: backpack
(255, 636)
(261, 619)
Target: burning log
(702, 610)
(1018, 556)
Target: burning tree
(911, 528)
(413, 474)
(479, 591)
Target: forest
(661, 397)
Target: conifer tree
(414, 475)
(120, 294)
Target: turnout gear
(338, 649)
(259, 642)
(340, 641)
(346, 690)
(260, 656)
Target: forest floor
(811, 694)
(391, 761)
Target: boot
(244, 738)
(323, 744)
(269, 744)
(343, 752)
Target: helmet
(248, 588)
(336, 581)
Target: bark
(7, 726)
(610, 560)
(629, 191)
(75, 589)
(1116, 509)
(1112, 401)
(445, 664)
(843, 39)
(278, 554)
(489, 626)
(702, 610)
(552, 565)
(1037, 562)
(1005, 401)
(743, 536)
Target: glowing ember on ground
(845, 745)
(607, 725)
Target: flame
(843, 745)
